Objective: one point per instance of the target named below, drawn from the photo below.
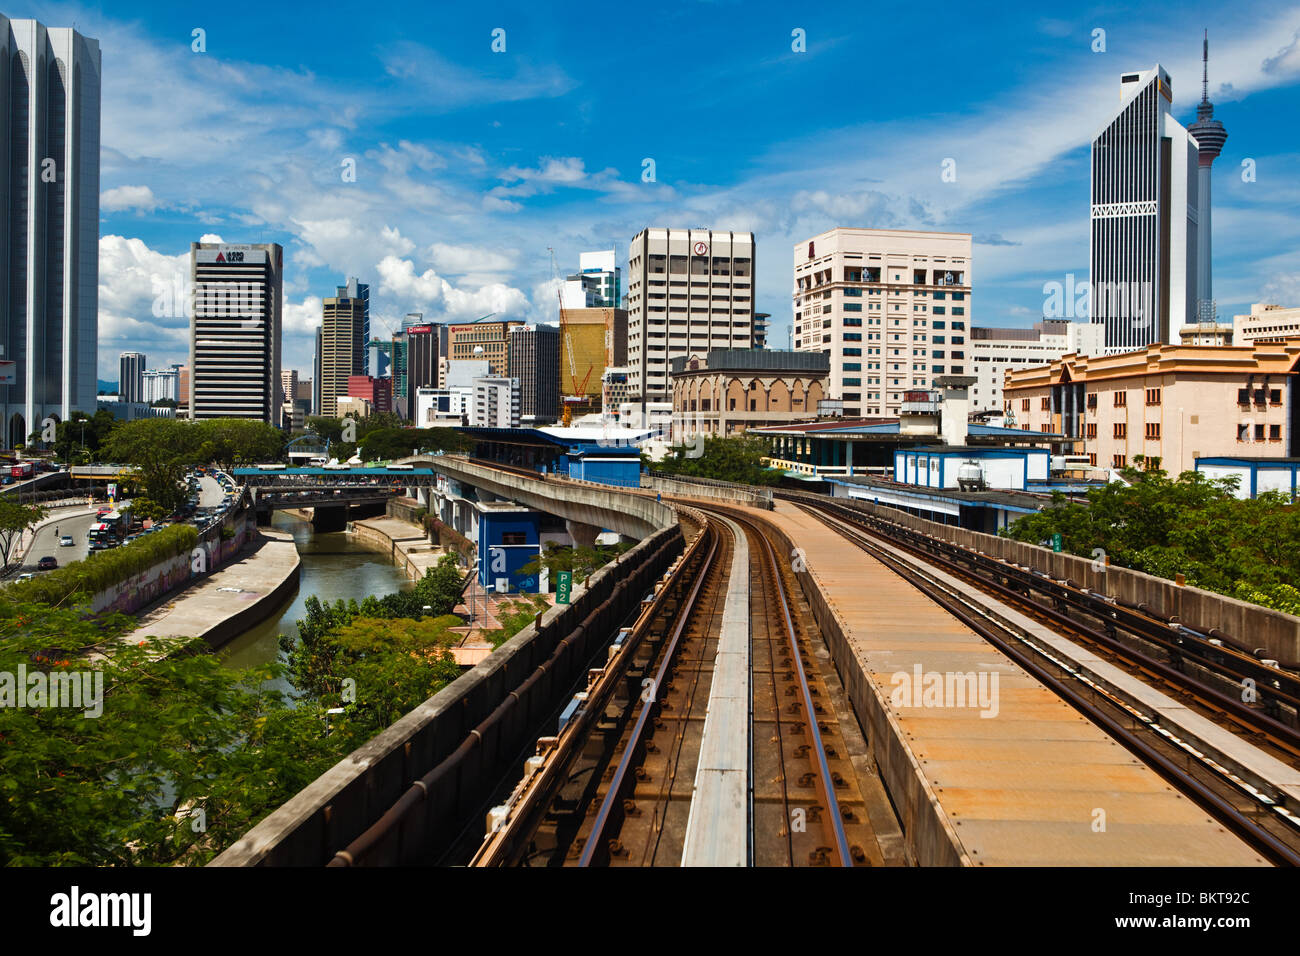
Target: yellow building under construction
(593, 340)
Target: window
(1046, 403)
(1243, 396)
(1121, 430)
(1275, 396)
(732, 406)
(852, 381)
(1090, 431)
(1119, 461)
(1259, 433)
(1153, 396)
(1152, 431)
(853, 366)
(958, 310)
(936, 369)
(937, 325)
(1243, 433)
(1274, 432)
(514, 537)
(1092, 458)
(940, 310)
(1024, 404)
(1092, 400)
(1121, 399)
(937, 353)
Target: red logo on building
(221, 257)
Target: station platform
(1008, 775)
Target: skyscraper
(1210, 137)
(49, 222)
(1144, 218)
(130, 376)
(689, 291)
(356, 289)
(235, 331)
(535, 364)
(892, 308)
(341, 349)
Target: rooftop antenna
(1205, 67)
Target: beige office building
(997, 351)
(689, 291)
(731, 390)
(891, 307)
(341, 342)
(483, 341)
(1266, 323)
(1172, 402)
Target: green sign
(1056, 542)
(563, 587)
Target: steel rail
(614, 792)
(810, 722)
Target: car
(47, 563)
(25, 576)
(6, 480)
(66, 541)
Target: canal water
(334, 567)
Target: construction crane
(580, 396)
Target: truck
(21, 470)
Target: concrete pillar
(584, 535)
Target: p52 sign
(563, 587)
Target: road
(47, 540)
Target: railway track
(1253, 814)
(713, 735)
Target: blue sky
(470, 163)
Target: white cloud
(140, 198)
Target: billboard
(238, 255)
(8, 372)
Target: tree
(736, 458)
(231, 442)
(15, 518)
(1190, 525)
(161, 450)
(384, 444)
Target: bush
(103, 569)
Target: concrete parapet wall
(347, 799)
(633, 516)
(687, 489)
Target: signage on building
(701, 248)
(8, 372)
(563, 587)
(238, 255)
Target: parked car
(47, 563)
(66, 541)
(25, 576)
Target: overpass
(336, 495)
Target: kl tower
(1210, 137)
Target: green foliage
(237, 442)
(314, 658)
(103, 569)
(14, 519)
(516, 615)
(1191, 525)
(80, 438)
(148, 510)
(385, 444)
(582, 561)
(725, 459)
(104, 790)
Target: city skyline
(456, 225)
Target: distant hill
(105, 386)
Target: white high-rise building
(998, 351)
(49, 222)
(235, 332)
(496, 403)
(1143, 241)
(689, 291)
(160, 384)
(892, 307)
(598, 284)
